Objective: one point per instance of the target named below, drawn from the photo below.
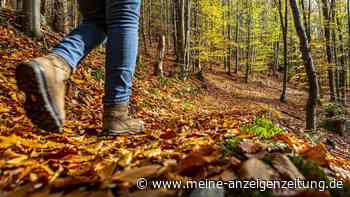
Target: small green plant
(262, 127)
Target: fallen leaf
(317, 154)
(105, 169)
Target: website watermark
(258, 184)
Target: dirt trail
(261, 93)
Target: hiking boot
(43, 82)
(116, 121)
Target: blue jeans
(117, 23)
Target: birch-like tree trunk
(309, 68)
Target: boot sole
(121, 133)
(38, 105)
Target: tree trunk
(347, 69)
(61, 19)
(284, 27)
(143, 28)
(14, 4)
(309, 68)
(276, 58)
(188, 57)
(326, 16)
(181, 37)
(342, 72)
(150, 22)
(161, 49)
(306, 19)
(32, 18)
(236, 40)
(248, 63)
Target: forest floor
(193, 131)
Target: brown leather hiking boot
(116, 121)
(43, 82)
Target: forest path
(262, 92)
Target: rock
(249, 147)
(212, 192)
(286, 168)
(254, 169)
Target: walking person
(43, 79)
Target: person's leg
(122, 31)
(91, 33)
(42, 79)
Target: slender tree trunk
(143, 28)
(181, 37)
(309, 68)
(174, 11)
(14, 4)
(276, 58)
(342, 72)
(306, 16)
(347, 68)
(187, 39)
(249, 49)
(160, 62)
(284, 26)
(32, 18)
(236, 40)
(61, 7)
(150, 22)
(326, 16)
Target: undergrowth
(262, 127)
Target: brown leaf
(168, 134)
(126, 158)
(318, 154)
(236, 163)
(191, 163)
